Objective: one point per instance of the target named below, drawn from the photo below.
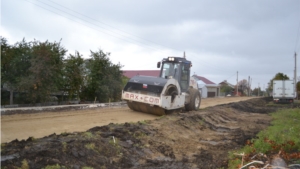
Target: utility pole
(296, 76)
(237, 81)
(249, 86)
(258, 90)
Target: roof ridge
(205, 80)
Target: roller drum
(146, 108)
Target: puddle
(223, 129)
(9, 157)
(214, 142)
(163, 159)
(210, 142)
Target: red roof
(131, 73)
(206, 81)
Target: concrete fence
(49, 104)
(44, 108)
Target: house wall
(203, 92)
(212, 92)
(212, 89)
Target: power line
(89, 22)
(201, 62)
(230, 76)
(101, 23)
(109, 25)
(208, 64)
(150, 47)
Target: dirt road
(37, 125)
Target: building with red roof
(204, 80)
(213, 90)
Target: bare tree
(243, 86)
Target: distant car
(228, 95)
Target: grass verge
(281, 138)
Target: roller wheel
(195, 100)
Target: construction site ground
(117, 137)
(39, 122)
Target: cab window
(184, 81)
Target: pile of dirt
(197, 139)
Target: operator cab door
(179, 71)
(184, 77)
(170, 70)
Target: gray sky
(255, 38)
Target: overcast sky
(255, 38)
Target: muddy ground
(197, 139)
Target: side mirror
(158, 64)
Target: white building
(207, 87)
(202, 89)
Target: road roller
(173, 89)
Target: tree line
(35, 72)
(244, 87)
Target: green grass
(163, 116)
(278, 105)
(25, 164)
(139, 134)
(90, 146)
(87, 168)
(31, 138)
(143, 122)
(57, 166)
(2, 146)
(283, 132)
(116, 145)
(64, 144)
(64, 133)
(88, 134)
(202, 122)
(282, 135)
